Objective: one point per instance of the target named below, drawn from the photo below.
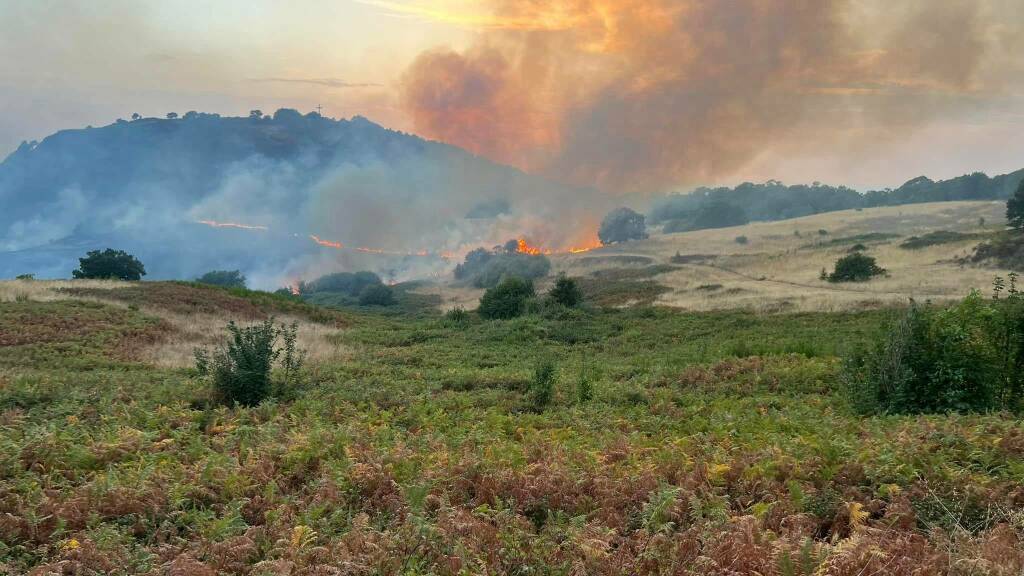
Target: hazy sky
(910, 87)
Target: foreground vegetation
(567, 441)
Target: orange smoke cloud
(638, 95)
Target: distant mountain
(777, 201)
(144, 186)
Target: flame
(216, 224)
(327, 243)
(526, 248)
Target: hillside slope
(144, 185)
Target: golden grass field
(778, 270)
(189, 329)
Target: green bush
(109, 264)
(742, 240)
(229, 278)
(542, 387)
(241, 370)
(856, 267)
(377, 295)
(966, 358)
(25, 277)
(456, 317)
(506, 300)
(485, 268)
(566, 292)
(351, 283)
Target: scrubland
(714, 442)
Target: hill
(145, 186)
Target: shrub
(542, 387)
(506, 300)
(456, 317)
(377, 295)
(742, 240)
(109, 264)
(622, 225)
(25, 277)
(486, 268)
(241, 370)
(966, 358)
(934, 239)
(229, 278)
(351, 283)
(856, 267)
(566, 292)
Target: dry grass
(778, 270)
(189, 330)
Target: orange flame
(216, 224)
(525, 248)
(327, 243)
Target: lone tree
(622, 225)
(566, 292)
(1015, 208)
(109, 264)
(856, 267)
(229, 278)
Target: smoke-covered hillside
(146, 185)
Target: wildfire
(217, 224)
(327, 243)
(525, 248)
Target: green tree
(566, 292)
(856, 267)
(377, 295)
(109, 264)
(507, 299)
(622, 225)
(229, 278)
(1015, 208)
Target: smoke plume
(640, 95)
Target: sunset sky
(624, 95)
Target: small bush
(241, 370)
(542, 387)
(935, 238)
(506, 300)
(857, 248)
(456, 317)
(25, 277)
(109, 264)
(742, 240)
(229, 278)
(566, 292)
(377, 295)
(485, 268)
(822, 232)
(856, 267)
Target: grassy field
(778, 268)
(713, 443)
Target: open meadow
(778, 264)
(674, 442)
